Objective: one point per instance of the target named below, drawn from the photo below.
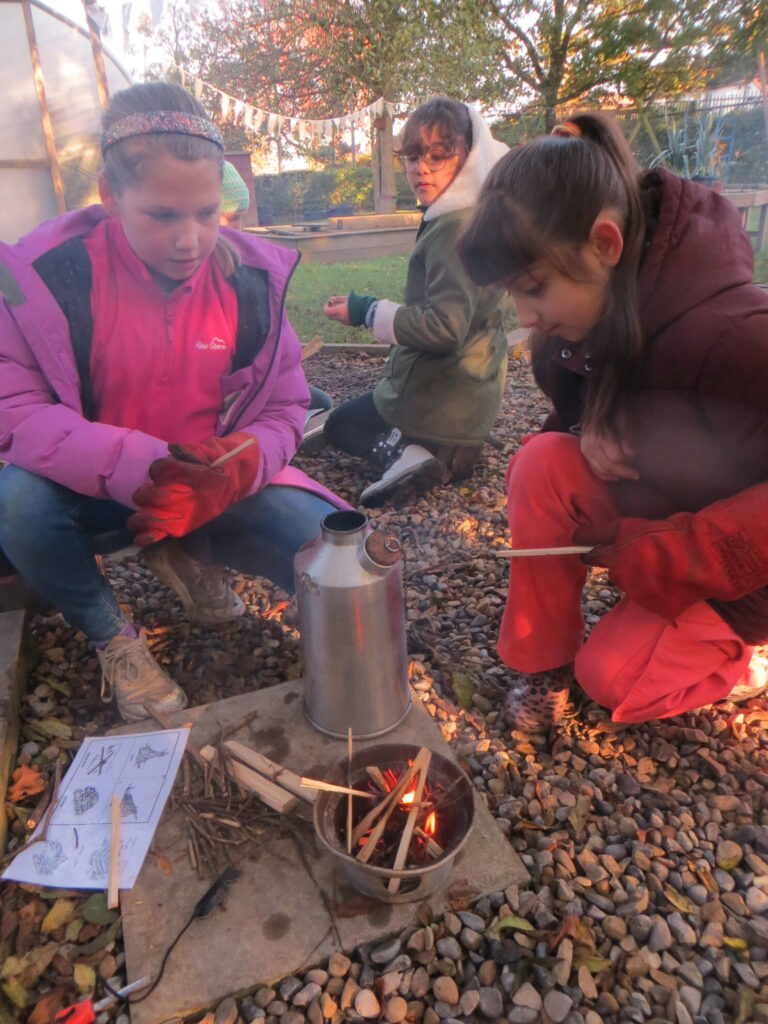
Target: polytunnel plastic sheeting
(69, 77)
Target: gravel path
(647, 844)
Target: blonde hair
(123, 160)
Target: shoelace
(129, 656)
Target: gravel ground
(647, 844)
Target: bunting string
(254, 119)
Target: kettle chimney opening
(344, 522)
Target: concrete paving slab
(275, 920)
(12, 678)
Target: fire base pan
(274, 921)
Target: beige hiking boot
(202, 589)
(133, 678)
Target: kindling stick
(532, 552)
(349, 794)
(311, 347)
(421, 764)
(384, 809)
(330, 787)
(113, 885)
(230, 455)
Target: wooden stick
(378, 777)
(311, 347)
(349, 794)
(274, 796)
(269, 769)
(531, 552)
(161, 717)
(421, 764)
(230, 455)
(434, 849)
(113, 887)
(385, 809)
(330, 787)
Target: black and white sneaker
(413, 466)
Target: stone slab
(12, 677)
(275, 920)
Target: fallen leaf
(745, 1007)
(30, 916)
(36, 961)
(48, 1006)
(9, 924)
(60, 913)
(517, 924)
(578, 815)
(679, 901)
(164, 864)
(85, 978)
(734, 942)
(54, 729)
(95, 910)
(594, 964)
(73, 929)
(463, 687)
(27, 781)
(16, 992)
(705, 876)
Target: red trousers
(638, 664)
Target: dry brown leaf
(679, 901)
(27, 781)
(36, 961)
(30, 916)
(48, 1006)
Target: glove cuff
(357, 307)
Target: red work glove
(187, 491)
(669, 564)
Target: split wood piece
(331, 787)
(274, 796)
(270, 769)
(383, 809)
(434, 849)
(311, 347)
(377, 776)
(532, 552)
(113, 884)
(421, 765)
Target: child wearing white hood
(442, 385)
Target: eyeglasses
(433, 159)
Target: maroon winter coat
(698, 418)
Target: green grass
(313, 283)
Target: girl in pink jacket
(151, 390)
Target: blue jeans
(51, 535)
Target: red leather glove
(187, 491)
(669, 564)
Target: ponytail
(540, 202)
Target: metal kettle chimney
(349, 588)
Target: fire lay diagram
(72, 849)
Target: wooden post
(94, 33)
(45, 117)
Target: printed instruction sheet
(74, 854)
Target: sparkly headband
(568, 129)
(160, 122)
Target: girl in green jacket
(442, 384)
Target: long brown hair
(123, 160)
(448, 118)
(539, 202)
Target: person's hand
(667, 565)
(608, 457)
(187, 491)
(337, 308)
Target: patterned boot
(536, 701)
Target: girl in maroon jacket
(652, 344)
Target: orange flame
(430, 825)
